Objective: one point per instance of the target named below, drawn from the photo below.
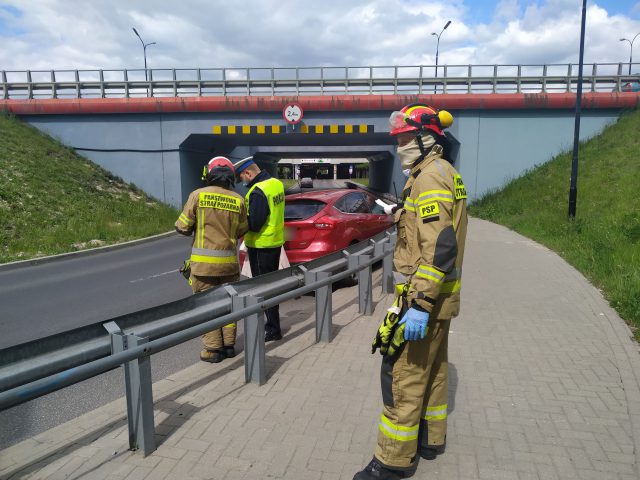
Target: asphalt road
(38, 301)
(60, 295)
(318, 184)
(41, 300)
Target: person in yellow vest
(264, 240)
(217, 217)
(432, 226)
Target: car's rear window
(302, 209)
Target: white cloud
(74, 34)
(507, 10)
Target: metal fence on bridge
(33, 369)
(282, 81)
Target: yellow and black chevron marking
(277, 129)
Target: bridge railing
(284, 81)
(42, 366)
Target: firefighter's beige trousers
(414, 393)
(225, 336)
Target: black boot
(229, 351)
(377, 471)
(215, 356)
(430, 452)
(271, 336)
(426, 451)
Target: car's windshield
(302, 209)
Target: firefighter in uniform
(216, 215)
(264, 240)
(431, 227)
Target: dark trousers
(266, 260)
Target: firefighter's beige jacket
(431, 235)
(217, 217)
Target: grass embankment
(603, 241)
(55, 201)
(288, 183)
(362, 181)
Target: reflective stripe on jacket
(216, 217)
(272, 232)
(432, 228)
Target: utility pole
(573, 188)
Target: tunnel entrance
(338, 156)
(334, 153)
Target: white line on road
(153, 276)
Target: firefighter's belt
(185, 269)
(390, 335)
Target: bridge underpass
(269, 149)
(161, 144)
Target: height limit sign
(292, 113)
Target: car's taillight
(324, 223)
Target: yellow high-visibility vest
(272, 232)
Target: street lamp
(144, 51)
(438, 47)
(631, 53)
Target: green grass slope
(603, 241)
(55, 201)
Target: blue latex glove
(415, 324)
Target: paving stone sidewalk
(544, 385)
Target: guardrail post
(365, 296)
(324, 305)
(137, 379)
(388, 285)
(224, 82)
(54, 93)
(175, 85)
(5, 87)
(29, 86)
(101, 84)
(254, 348)
(77, 77)
(125, 77)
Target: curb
(81, 253)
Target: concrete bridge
(161, 143)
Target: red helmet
(417, 117)
(216, 162)
(210, 170)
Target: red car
(320, 222)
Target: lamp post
(631, 52)
(438, 48)
(573, 186)
(144, 51)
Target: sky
(97, 34)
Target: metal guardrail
(418, 79)
(43, 366)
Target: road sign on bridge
(292, 113)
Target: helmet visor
(397, 120)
